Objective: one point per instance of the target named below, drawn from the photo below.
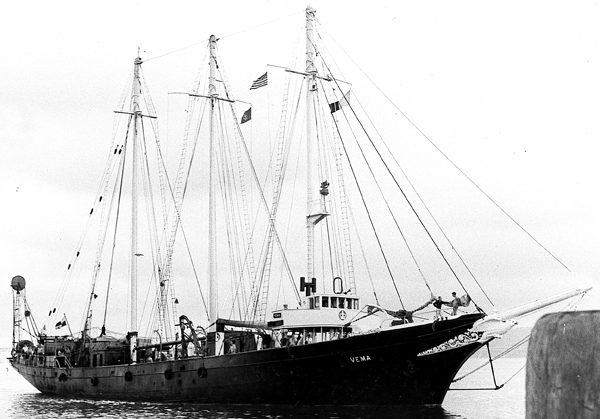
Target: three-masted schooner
(330, 349)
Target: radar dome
(18, 283)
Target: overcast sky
(509, 90)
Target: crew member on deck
(438, 306)
(232, 347)
(455, 303)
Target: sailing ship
(325, 346)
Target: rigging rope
(364, 256)
(428, 211)
(178, 194)
(391, 212)
(222, 37)
(152, 226)
(401, 189)
(262, 24)
(119, 183)
(571, 305)
(505, 352)
(102, 192)
(338, 233)
(266, 207)
(455, 165)
(370, 219)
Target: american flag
(259, 82)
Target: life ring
(62, 377)
(94, 381)
(168, 374)
(128, 376)
(202, 372)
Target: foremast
(314, 213)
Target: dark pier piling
(563, 367)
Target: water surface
(19, 400)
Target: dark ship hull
(382, 368)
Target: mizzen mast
(213, 94)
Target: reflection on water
(19, 400)
(40, 406)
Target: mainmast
(137, 114)
(212, 241)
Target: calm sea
(19, 400)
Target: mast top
(212, 81)
(138, 59)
